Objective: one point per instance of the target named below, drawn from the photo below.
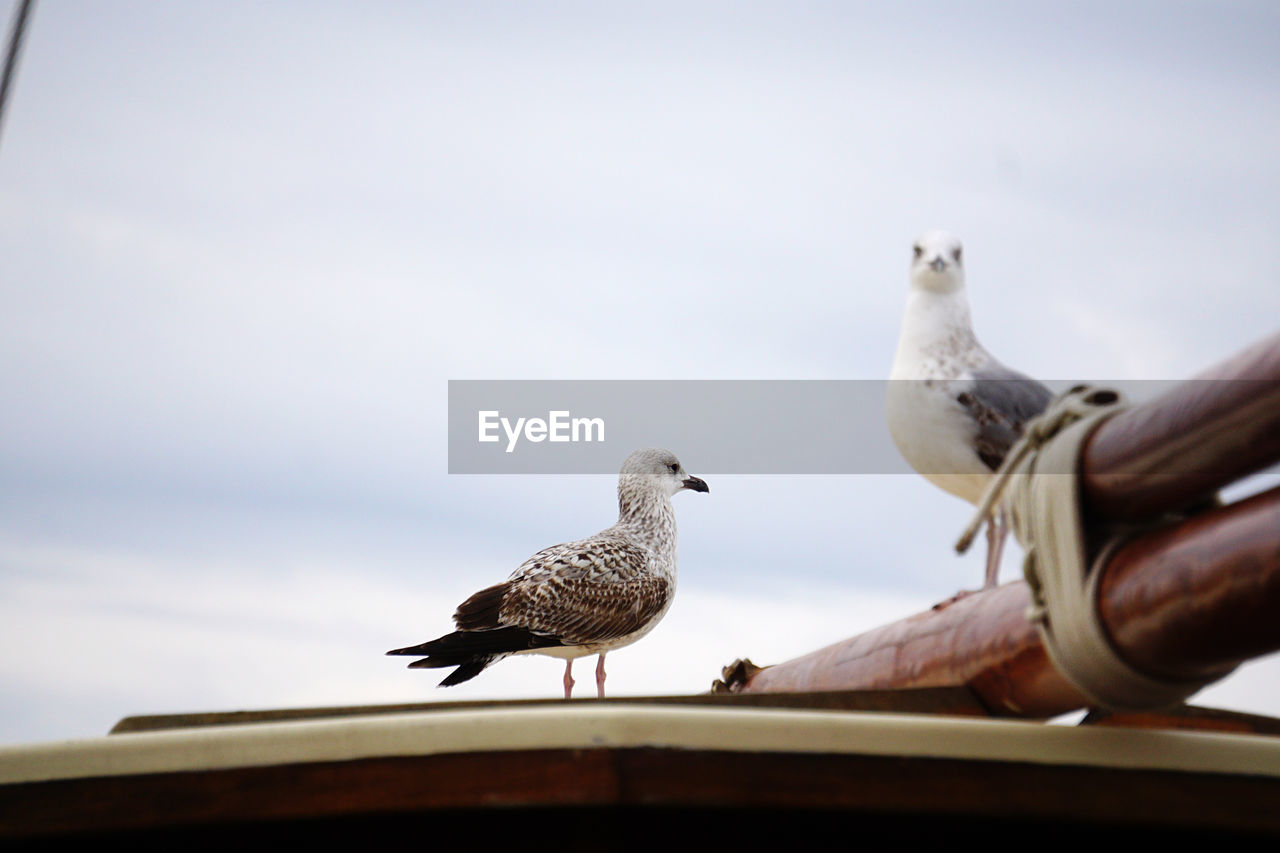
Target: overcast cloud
(245, 246)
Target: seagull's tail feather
(420, 649)
(466, 672)
(472, 651)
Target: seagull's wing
(1001, 401)
(588, 592)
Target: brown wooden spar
(1203, 434)
(1228, 559)
(1188, 601)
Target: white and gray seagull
(580, 598)
(953, 409)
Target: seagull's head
(661, 470)
(937, 262)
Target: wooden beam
(1179, 448)
(1188, 601)
(1197, 599)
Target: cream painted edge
(637, 725)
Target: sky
(246, 246)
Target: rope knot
(1061, 572)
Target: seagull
(959, 410)
(580, 598)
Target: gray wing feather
(1001, 401)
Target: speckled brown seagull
(953, 409)
(580, 598)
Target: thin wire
(16, 31)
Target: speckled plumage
(578, 598)
(953, 409)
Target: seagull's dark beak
(696, 484)
(938, 264)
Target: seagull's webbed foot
(947, 602)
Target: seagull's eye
(673, 467)
(918, 251)
(956, 255)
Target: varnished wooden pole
(1192, 600)
(1201, 597)
(1184, 445)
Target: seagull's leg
(997, 532)
(600, 677)
(568, 678)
